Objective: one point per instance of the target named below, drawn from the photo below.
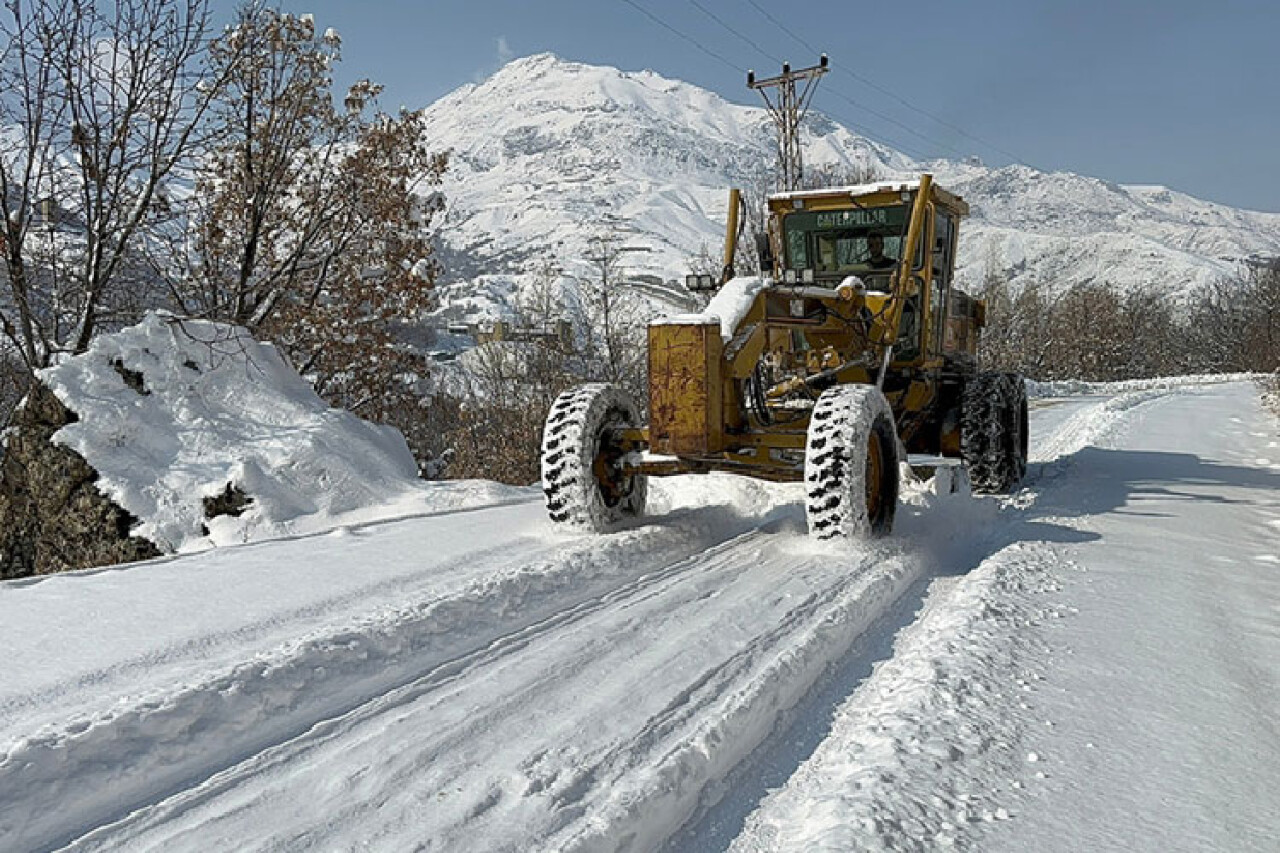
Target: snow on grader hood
(853, 351)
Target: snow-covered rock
(175, 414)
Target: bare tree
(1018, 334)
(1261, 296)
(840, 174)
(514, 382)
(29, 110)
(755, 219)
(13, 385)
(265, 219)
(547, 366)
(616, 349)
(102, 106)
(1212, 328)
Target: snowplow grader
(852, 354)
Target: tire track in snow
(259, 759)
(272, 675)
(944, 745)
(1094, 422)
(613, 764)
(101, 769)
(649, 781)
(661, 778)
(452, 677)
(956, 545)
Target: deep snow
(1107, 681)
(1091, 664)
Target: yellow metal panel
(831, 200)
(685, 403)
(835, 199)
(745, 349)
(928, 334)
(919, 394)
(731, 230)
(777, 439)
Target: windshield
(859, 240)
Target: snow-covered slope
(549, 153)
(1091, 664)
(1062, 228)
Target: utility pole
(788, 110)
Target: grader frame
(698, 418)
(832, 346)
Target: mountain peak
(540, 66)
(533, 63)
(548, 151)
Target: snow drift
(173, 412)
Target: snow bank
(918, 755)
(1075, 691)
(1074, 387)
(173, 412)
(1270, 386)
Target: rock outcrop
(52, 516)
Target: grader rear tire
(851, 464)
(582, 474)
(993, 432)
(1019, 423)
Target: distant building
(559, 330)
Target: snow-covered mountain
(549, 153)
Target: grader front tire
(582, 471)
(851, 464)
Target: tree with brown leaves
(310, 220)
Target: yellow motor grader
(852, 353)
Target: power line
(889, 92)
(865, 108)
(689, 39)
(882, 139)
(750, 42)
(704, 10)
(897, 123)
(781, 26)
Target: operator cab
(822, 237)
(866, 242)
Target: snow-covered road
(1092, 664)
(1109, 681)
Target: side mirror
(765, 253)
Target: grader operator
(852, 353)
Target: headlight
(700, 282)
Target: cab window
(942, 249)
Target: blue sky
(1177, 93)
